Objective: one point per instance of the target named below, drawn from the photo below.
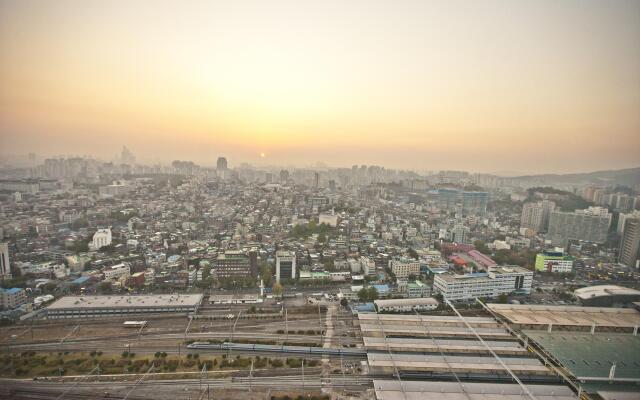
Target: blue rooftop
(13, 290)
(381, 288)
(80, 280)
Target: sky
(541, 86)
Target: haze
(527, 86)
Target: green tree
(277, 289)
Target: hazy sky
(527, 86)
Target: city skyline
(494, 87)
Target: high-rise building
(590, 225)
(630, 243)
(448, 198)
(460, 234)
(126, 156)
(221, 164)
(474, 202)
(536, 215)
(5, 266)
(101, 238)
(284, 175)
(623, 218)
(285, 265)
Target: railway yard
(317, 351)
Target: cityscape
(306, 200)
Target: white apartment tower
(5, 266)
(101, 238)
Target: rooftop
(415, 390)
(406, 302)
(90, 302)
(591, 356)
(604, 290)
(526, 314)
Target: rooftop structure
(384, 362)
(606, 295)
(420, 390)
(403, 305)
(590, 357)
(430, 345)
(103, 306)
(527, 315)
(481, 259)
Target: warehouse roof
(446, 345)
(589, 292)
(430, 301)
(416, 390)
(90, 302)
(421, 362)
(429, 319)
(587, 355)
(526, 314)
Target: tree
(368, 294)
(344, 302)
(502, 299)
(206, 271)
(277, 289)
(266, 274)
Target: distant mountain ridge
(627, 177)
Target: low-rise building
(109, 306)
(12, 298)
(554, 261)
(418, 289)
(498, 281)
(116, 272)
(405, 305)
(404, 268)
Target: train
(304, 350)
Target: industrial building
(606, 296)
(235, 299)
(594, 359)
(404, 305)
(388, 363)
(526, 316)
(387, 389)
(110, 306)
(385, 325)
(433, 345)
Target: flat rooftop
(444, 345)
(487, 364)
(94, 302)
(414, 390)
(589, 292)
(430, 320)
(587, 355)
(526, 314)
(436, 331)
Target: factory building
(113, 306)
(405, 305)
(606, 296)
